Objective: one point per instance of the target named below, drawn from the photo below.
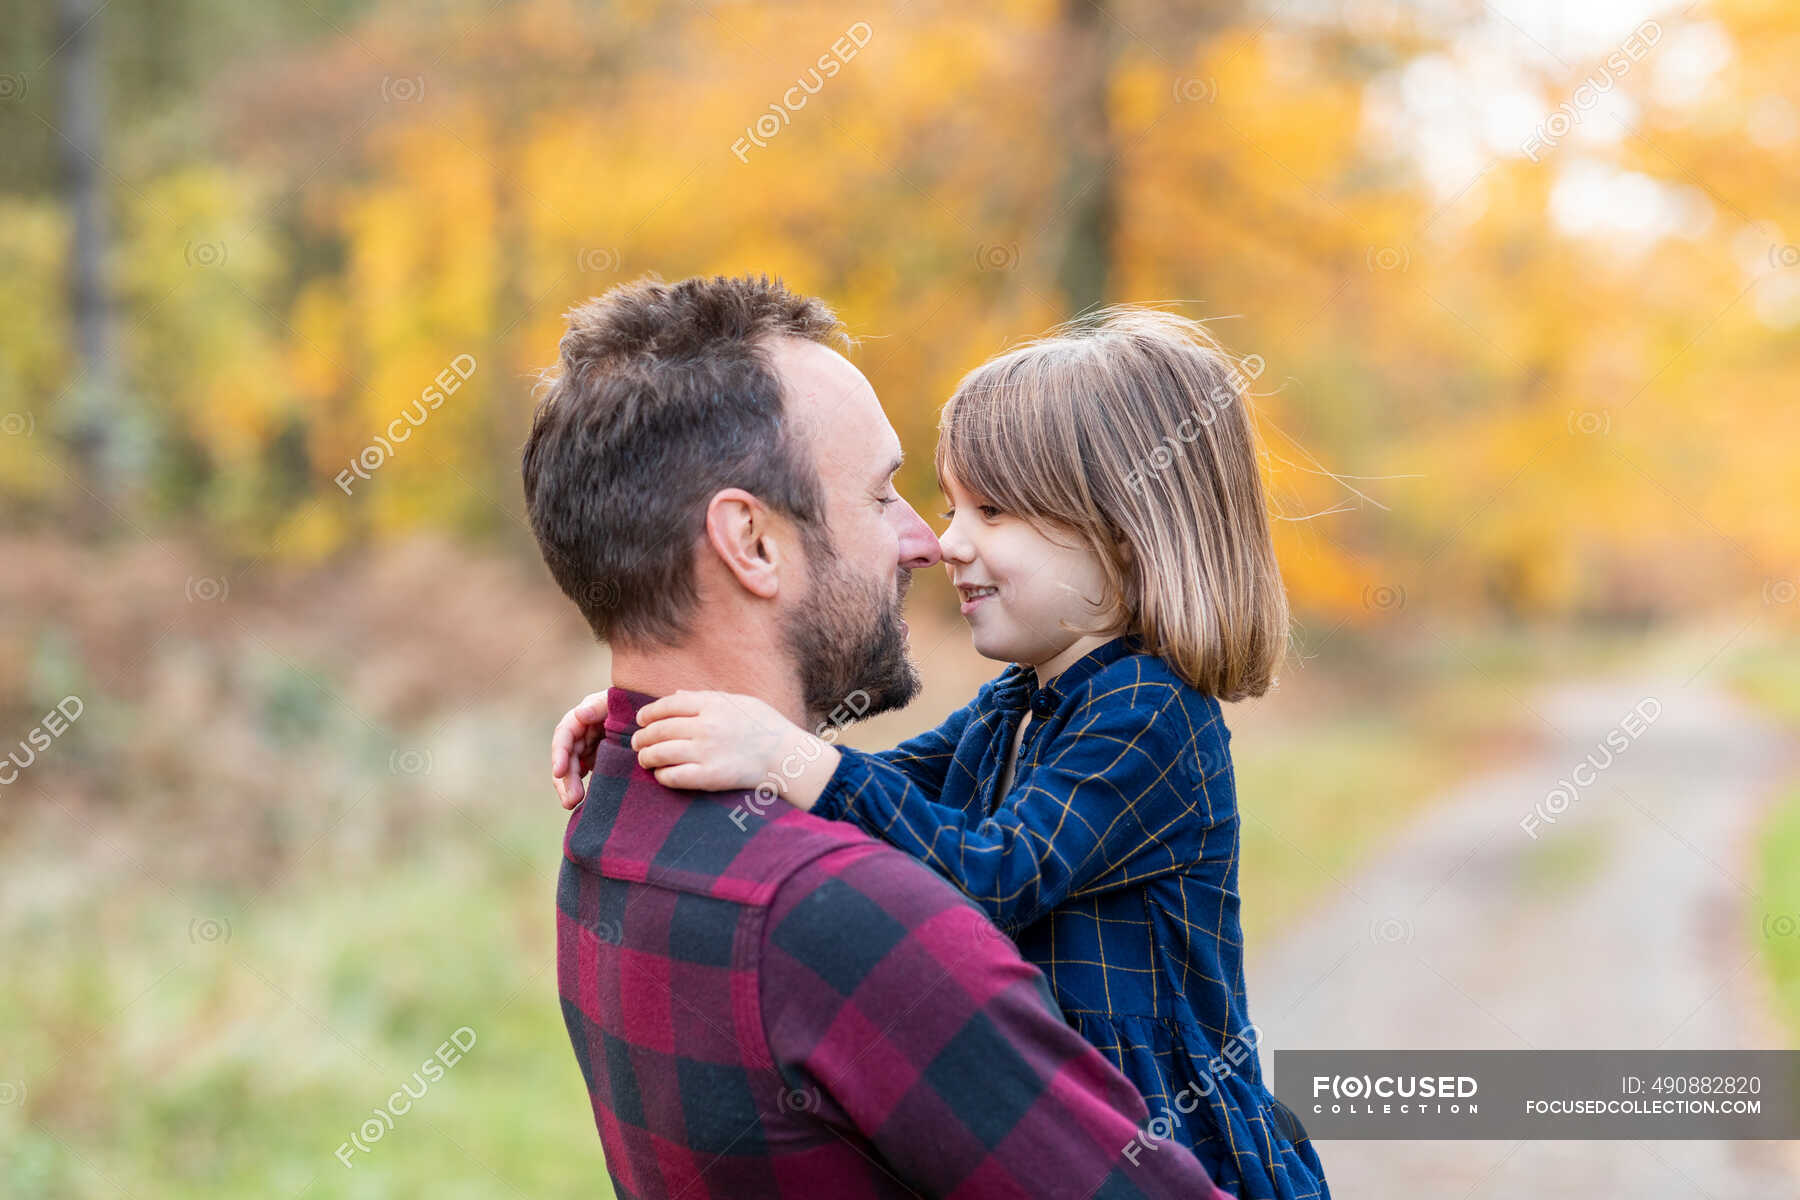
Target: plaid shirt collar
(622, 705)
(1016, 688)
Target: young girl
(1110, 541)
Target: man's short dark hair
(663, 395)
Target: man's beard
(847, 642)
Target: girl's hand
(572, 747)
(719, 741)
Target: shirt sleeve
(927, 759)
(1121, 797)
(896, 1010)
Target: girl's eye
(989, 511)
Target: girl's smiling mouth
(973, 594)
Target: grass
(224, 1044)
(1778, 921)
(1768, 676)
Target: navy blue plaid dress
(1112, 862)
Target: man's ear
(742, 532)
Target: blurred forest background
(1524, 278)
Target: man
(762, 1003)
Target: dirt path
(1628, 922)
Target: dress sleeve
(895, 1010)
(1120, 797)
(927, 759)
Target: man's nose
(918, 545)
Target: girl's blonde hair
(1131, 427)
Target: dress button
(1044, 702)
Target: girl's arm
(572, 747)
(926, 759)
(790, 761)
(1123, 797)
(715, 741)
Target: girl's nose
(956, 548)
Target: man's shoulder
(738, 846)
(848, 908)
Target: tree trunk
(94, 397)
(1087, 201)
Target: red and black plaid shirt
(766, 1004)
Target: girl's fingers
(568, 789)
(685, 776)
(569, 730)
(591, 711)
(665, 729)
(676, 704)
(664, 754)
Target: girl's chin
(990, 647)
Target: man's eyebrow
(891, 468)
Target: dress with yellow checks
(1112, 861)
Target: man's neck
(665, 670)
